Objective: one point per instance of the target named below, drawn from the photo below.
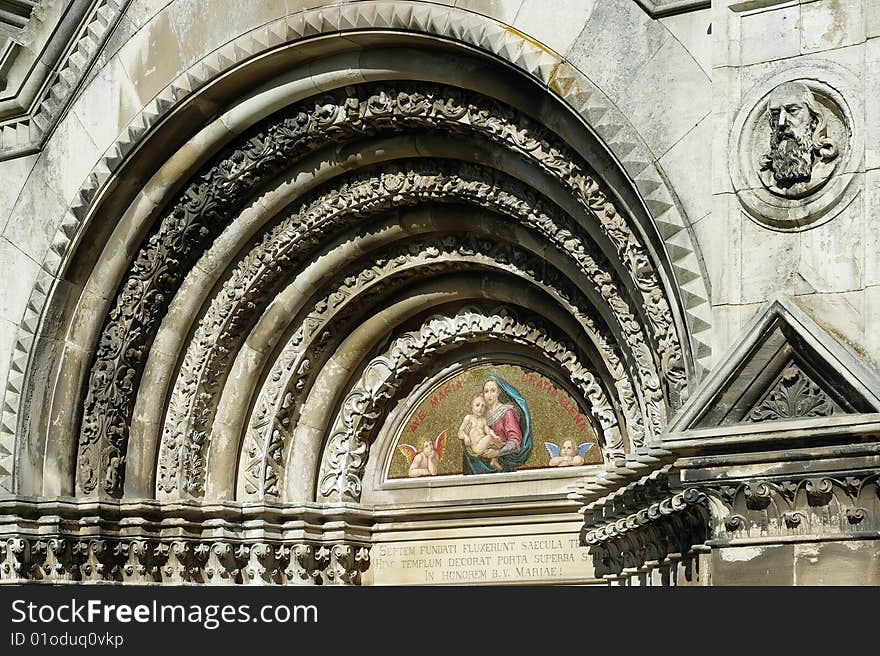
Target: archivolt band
(280, 260)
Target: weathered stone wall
(855, 562)
(666, 92)
(635, 60)
(831, 268)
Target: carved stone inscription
(515, 559)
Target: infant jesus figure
(476, 433)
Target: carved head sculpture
(798, 140)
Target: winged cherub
(565, 456)
(427, 461)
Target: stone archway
(220, 326)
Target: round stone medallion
(794, 151)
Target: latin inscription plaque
(514, 559)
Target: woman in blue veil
(507, 413)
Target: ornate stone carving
(268, 431)
(666, 507)
(208, 203)
(221, 332)
(449, 23)
(305, 565)
(801, 156)
(795, 144)
(630, 537)
(150, 542)
(651, 537)
(347, 562)
(793, 396)
(347, 448)
(121, 560)
(811, 505)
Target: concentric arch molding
(454, 24)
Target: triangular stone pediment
(785, 367)
(794, 395)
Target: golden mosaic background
(550, 420)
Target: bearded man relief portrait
(801, 156)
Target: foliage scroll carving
(209, 202)
(347, 449)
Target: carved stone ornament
(211, 201)
(221, 330)
(826, 505)
(793, 148)
(279, 399)
(656, 535)
(794, 396)
(802, 156)
(142, 561)
(347, 449)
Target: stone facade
(271, 272)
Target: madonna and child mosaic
(492, 419)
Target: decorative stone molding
(793, 396)
(409, 17)
(347, 448)
(629, 497)
(796, 145)
(841, 504)
(650, 513)
(361, 289)
(209, 204)
(663, 531)
(275, 411)
(716, 515)
(67, 559)
(72, 541)
(347, 563)
(622, 474)
(223, 328)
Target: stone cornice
(805, 507)
(71, 540)
(781, 481)
(665, 507)
(663, 8)
(150, 518)
(68, 540)
(741, 438)
(58, 560)
(832, 449)
(50, 68)
(631, 468)
(630, 498)
(155, 519)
